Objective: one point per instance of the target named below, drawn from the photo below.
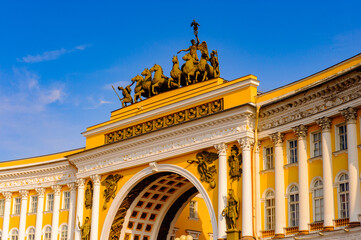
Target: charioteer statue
(152, 81)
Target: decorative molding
(7, 195)
(300, 131)
(154, 167)
(246, 143)
(221, 148)
(277, 138)
(96, 179)
(166, 121)
(325, 123)
(350, 114)
(80, 182)
(40, 191)
(24, 193)
(311, 101)
(72, 186)
(290, 165)
(56, 189)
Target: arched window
(293, 206)
(270, 210)
(14, 235)
(47, 233)
(31, 234)
(318, 200)
(64, 232)
(343, 195)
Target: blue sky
(58, 59)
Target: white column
(71, 216)
(79, 208)
(55, 220)
(39, 213)
(277, 139)
(6, 219)
(95, 207)
(23, 207)
(247, 221)
(222, 188)
(350, 115)
(328, 202)
(304, 212)
(258, 190)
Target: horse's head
(146, 72)
(156, 67)
(175, 59)
(137, 78)
(187, 57)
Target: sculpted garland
(152, 81)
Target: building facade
(215, 159)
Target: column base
(247, 238)
(303, 232)
(279, 235)
(328, 229)
(233, 234)
(354, 224)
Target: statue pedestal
(233, 234)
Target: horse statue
(147, 83)
(188, 68)
(138, 90)
(175, 73)
(203, 67)
(158, 80)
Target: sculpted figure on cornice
(234, 163)
(110, 184)
(317, 99)
(192, 71)
(231, 212)
(88, 195)
(206, 168)
(85, 229)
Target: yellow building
(163, 167)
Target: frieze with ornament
(166, 121)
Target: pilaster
(71, 216)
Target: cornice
(172, 107)
(225, 127)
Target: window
(14, 235)
(318, 201)
(268, 158)
(270, 210)
(292, 150)
(193, 207)
(66, 200)
(33, 204)
(343, 195)
(50, 202)
(342, 137)
(293, 203)
(17, 204)
(2, 205)
(31, 234)
(47, 233)
(316, 144)
(64, 232)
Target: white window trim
(312, 147)
(31, 204)
(60, 229)
(28, 231)
(264, 153)
(288, 151)
(263, 199)
(10, 232)
(47, 202)
(14, 206)
(312, 188)
(3, 200)
(337, 186)
(63, 200)
(288, 202)
(337, 136)
(196, 210)
(43, 231)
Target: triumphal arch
(190, 153)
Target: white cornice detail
(202, 133)
(33, 164)
(181, 104)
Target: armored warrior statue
(195, 25)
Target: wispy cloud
(50, 55)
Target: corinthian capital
(24, 193)
(325, 123)
(350, 114)
(300, 131)
(80, 182)
(56, 188)
(72, 186)
(95, 178)
(221, 148)
(40, 191)
(277, 138)
(7, 195)
(246, 143)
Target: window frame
(2, 207)
(63, 233)
(16, 206)
(13, 235)
(312, 145)
(66, 200)
(319, 198)
(289, 149)
(267, 163)
(343, 212)
(195, 207)
(49, 207)
(338, 141)
(31, 230)
(31, 207)
(293, 222)
(269, 225)
(47, 234)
